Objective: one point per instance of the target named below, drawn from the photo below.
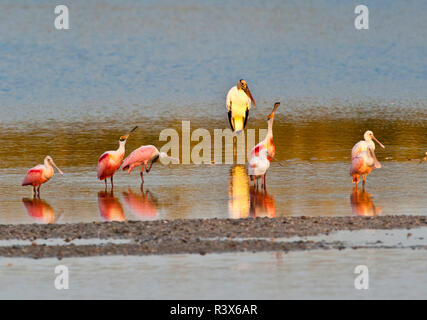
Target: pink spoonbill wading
(141, 157)
(110, 161)
(40, 174)
(263, 152)
(363, 159)
(258, 166)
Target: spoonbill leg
(148, 170)
(142, 175)
(356, 179)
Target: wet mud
(198, 236)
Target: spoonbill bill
(110, 161)
(40, 174)
(267, 143)
(363, 159)
(238, 104)
(141, 157)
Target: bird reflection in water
(110, 207)
(142, 205)
(262, 204)
(238, 190)
(362, 204)
(39, 210)
(248, 201)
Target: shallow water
(187, 193)
(393, 274)
(71, 94)
(312, 177)
(396, 238)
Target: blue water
(130, 58)
(393, 274)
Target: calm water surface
(307, 182)
(71, 94)
(393, 274)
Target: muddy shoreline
(199, 236)
(189, 228)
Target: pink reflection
(262, 204)
(110, 207)
(39, 210)
(142, 205)
(362, 204)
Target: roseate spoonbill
(238, 104)
(263, 152)
(363, 159)
(362, 204)
(267, 143)
(39, 210)
(40, 174)
(110, 161)
(238, 191)
(258, 166)
(141, 157)
(110, 207)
